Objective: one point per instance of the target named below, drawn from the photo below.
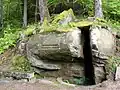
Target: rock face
(103, 45)
(17, 75)
(102, 40)
(61, 54)
(52, 51)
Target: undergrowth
(10, 37)
(20, 63)
(112, 63)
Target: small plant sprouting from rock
(21, 64)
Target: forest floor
(48, 85)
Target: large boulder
(103, 46)
(46, 50)
(60, 52)
(102, 40)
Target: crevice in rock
(88, 59)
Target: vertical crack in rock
(88, 59)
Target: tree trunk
(25, 14)
(1, 17)
(98, 8)
(43, 10)
(36, 10)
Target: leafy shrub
(112, 9)
(9, 39)
(30, 29)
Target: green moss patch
(54, 24)
(80, 24)
(63, 15)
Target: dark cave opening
(88, 59)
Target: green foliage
(9, 39)
(87, 6)
(20, 63)
(114, 24)
(47, 27)
(111, 9)
(12, 12)
(112, 63)
(13, 17)
(29, 30)
(52, 2)
(79, 81)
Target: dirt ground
(45, 84)
(48, 85)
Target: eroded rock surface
(53, 52)
(102, 40)
(103, 46)
(56, 51)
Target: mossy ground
(20, 64)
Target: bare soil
(48, 85)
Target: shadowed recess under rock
(88, 59)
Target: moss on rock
(58, 24)
(29, 30)
(55, 26)
(80, 24)
(63, 15)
